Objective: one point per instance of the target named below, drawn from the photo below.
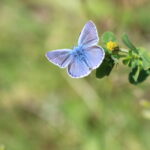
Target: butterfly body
(84, 58)
(78, 52)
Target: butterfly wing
(60, 57)
(94, 56)
(78, 68)
(89, 36)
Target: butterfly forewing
(61, 57)
(89, 35)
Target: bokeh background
(41, 107)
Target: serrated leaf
(128, 43)
(108, 36)
(105, 68)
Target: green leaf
(145, 55)
(148, 71)
(126, 61)
(134, 63)
(108, 36)
(106, 67)
(128, 43)
(137, 76)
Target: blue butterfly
(84, 58)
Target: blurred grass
(41, 108)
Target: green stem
(124, 50)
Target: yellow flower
(111, 45)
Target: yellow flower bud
(111, 45)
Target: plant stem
(124, 50)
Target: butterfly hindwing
(91, 59)
(60, 57)
(94, 56)
(78, 68)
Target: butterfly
(84, 57)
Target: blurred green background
(41, 107)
